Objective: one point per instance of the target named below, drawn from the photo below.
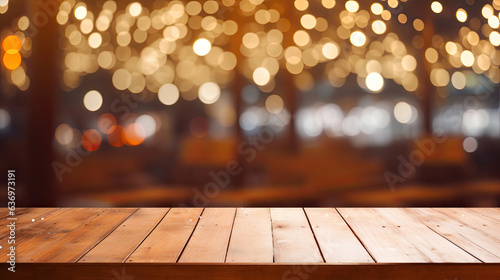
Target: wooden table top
(255, 235)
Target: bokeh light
(495, 38)
(11, 42)
(352, 6)
(436, 7)
(91, 140)
(148, 123)
(134, 134)
(379, 27)
(374, 82)
(81, 12)
(376, 8)
(115, 136)
(330, 50)
(261, 76)
(470, 144)
(458, 80)
(358, 38)
(64, 134)
(467, 58)
(474, 122)
(4, 119)
(202, 47)
(11, 59)
(105, 122)
(92, 100)
(461, 15)
(135, 9)
(403, 112)
(274, 104)
(209, 93)
(168, 94)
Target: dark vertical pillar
(236, 87)
(427, 90)
(291, 104)
(290, 96)
(41, 103)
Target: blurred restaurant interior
(251, 102)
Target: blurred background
(251, 102)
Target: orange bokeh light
(115, 136)
(105, 122)
(91, 140)
(134, 134)
(11, 42)
(11, 59)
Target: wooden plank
(433, 245)
(5, 212)
(461, 235)
(379, 238)
(490, 213)
(39, 235)
(336, 240)
(24, 218)
(251, 272)
(211, 237)
(487, 226)
(293, 239)
(251, 238)
(169, 238)
(117, 246)
(74, 244)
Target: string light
(12, 58)
(461, 15)
(374, 82)
(436, 7)
(261, 76)
(92, 100)
(352, 6)
(202, 47)
(80, 12)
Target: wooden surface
(252, 237)
(238, 237)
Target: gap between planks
(124, 239)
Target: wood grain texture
(40, 235)
(25, 218)
(489, 231)
(336, 240)
(251, 238)
(168, 239)
(490, 213)
(293, 239)
(430, 243)
(74, 244)
(474, 220)
(210, 239)
(379, 237)
(5, 212)
(118, 245)
(461, 235)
